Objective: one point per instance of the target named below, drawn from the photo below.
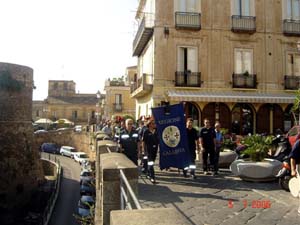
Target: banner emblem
(171, 136)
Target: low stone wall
(49, 168)
(162, 216)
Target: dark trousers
(132, 157)
(217, 156)
(211, 153)
(151, 159)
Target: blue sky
(86, 41)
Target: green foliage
(258, 146)
(7, 83)
(228, 144)
(295, 109)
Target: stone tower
(19, 163)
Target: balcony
(187, 79)
(244, 80)
(188, 20)
(118, 107)
(143, 86)
(291, 27)
(291, 82)
(243, 24)
(143, 35)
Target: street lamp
(97, 108)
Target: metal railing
(127, 194)
(143, 81)
(188, 20)
(187, 79)
(118, 107)
(291, 27)
(244, 80)
(244, 24)
(291, 82)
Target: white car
(67, 151)
(81, 157)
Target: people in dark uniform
(129, 141)
(193, 144)
(207, 138)
(144, 159)
(150, 147)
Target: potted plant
(257, 167)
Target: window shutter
(296, 6)
(247, 61)
(296, 65)
(289, 64)
(237, 61)
(246, 8)
(192, 60)
(180, 59)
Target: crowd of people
(140, 143)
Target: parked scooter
(282, 148)
(284, 175)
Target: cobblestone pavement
(223, 199)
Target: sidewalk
(223, 199)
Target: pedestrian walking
(207, 138)
(219, 142)
(193, 144)
(150, 147)
(129, 141)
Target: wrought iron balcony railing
(118, 107)
(188, 20)
(291, 27)
(291, 82)
(187, 79)
(243, 24)
(143, 35)
(244, 80)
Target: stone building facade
(118, 101)
(64, 103)
(20, 168)
(232, 61)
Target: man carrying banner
(207, 144)
(129, 141)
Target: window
(118, 99)
(65, 86)
(243, 7)
(293, 64)
(187, 59)
(74, 114)
(292, 9)
(93, 115)
(243, 61)
(187, 6)
(37, 113)
(55, 86)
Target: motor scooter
(284, 174)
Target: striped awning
(230, 96)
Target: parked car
(78, 128)
(50, 148)
(293, 134)
(40, 131)
(87, 187)
(81, 157)
(87, 175)
(67, 151)
(86, 205)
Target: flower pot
(265, 170)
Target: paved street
(224, 199)
(66, 205)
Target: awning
(230, 96)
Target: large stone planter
(227, 157)
(256, 171)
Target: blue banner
(170, 123)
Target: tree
(295, 108)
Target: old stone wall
(83, 141)
(20, 169)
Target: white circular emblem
(171, 136)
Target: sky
(86, 41)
